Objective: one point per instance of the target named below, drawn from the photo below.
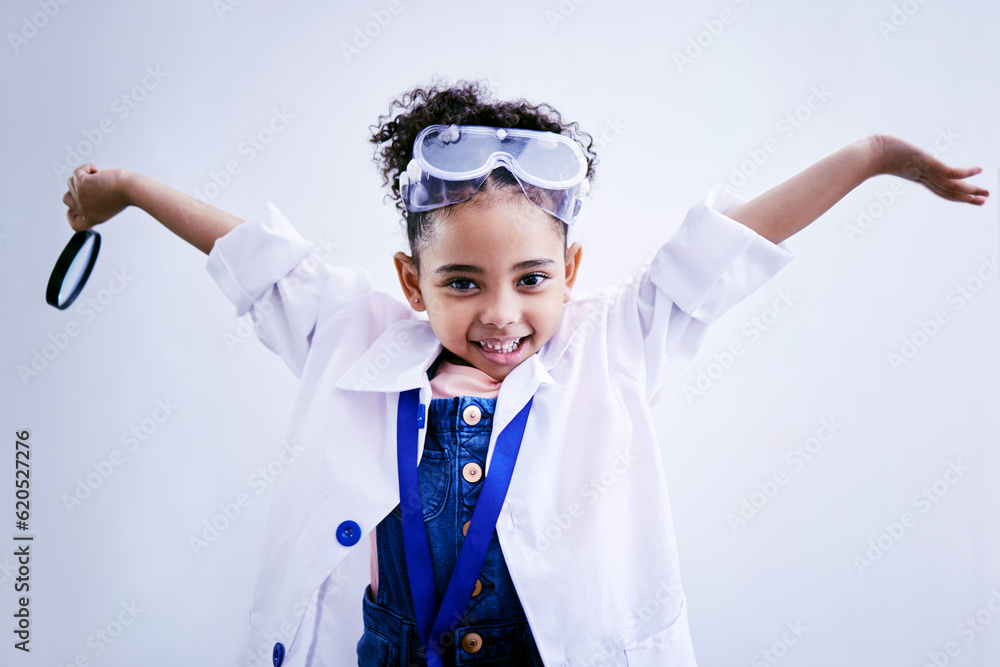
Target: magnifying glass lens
(79, 266)
(72, 269)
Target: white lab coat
(586, 527)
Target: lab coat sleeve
(710, 264)
(265, 267)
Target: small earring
(415, 299)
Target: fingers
(957, 190)
(954, 172)
(83, 169)
(949, 190)
(72, 207)
(958, 185)
(944, 171)
(72, 190)
(948, 182)
(976, 191)
(78, 174)
(76, 220)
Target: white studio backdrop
(832, 452)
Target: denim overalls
(494, 630)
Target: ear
(409, 280)
(573, 256)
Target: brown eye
(460, 284)
(534, 279)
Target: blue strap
(433, 622)
(415, 547)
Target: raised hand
(900, 158)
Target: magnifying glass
(72, 269)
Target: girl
(499, 456)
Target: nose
(501, 308)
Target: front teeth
(505, 349)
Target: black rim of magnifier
(62, 266)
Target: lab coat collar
(398, 360)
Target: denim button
(278, 656)
(472, 642)
(472, 472)
(471, 415)
(348, 533)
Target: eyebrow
(448, 269)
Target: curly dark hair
(464, 103)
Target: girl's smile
(503, 353)
(493, 279)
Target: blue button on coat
(348, 533)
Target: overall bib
(494, 630)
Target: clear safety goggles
(450, 163)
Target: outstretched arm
(788, 208)
(95, 195)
